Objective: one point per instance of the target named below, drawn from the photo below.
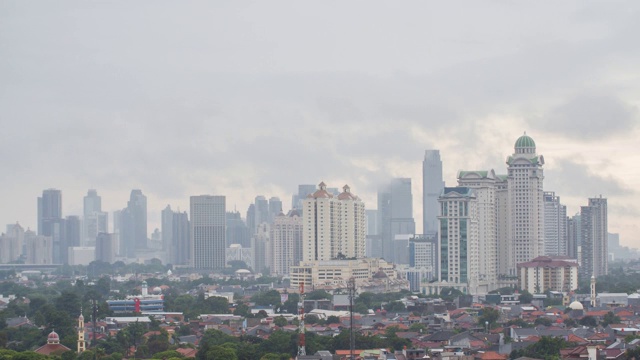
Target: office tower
(484, 185)
(95, 220)
(573, 236)
(180, 250)
(261, 245)
(303, 191)
(251, 219)
(237, 230)
(166, 232)
(261, 210)
(373, 239)
(555, 225)
(458, 237)
(208, 241)
(525, 179)
(116, 233)
(423, 260)
(39, 248)
(92, 203)
(49, 211)
(286, 242)
(334, 227)
(432, 186)
(12, 243)
(594, 236)
(51, 223)
(395, 215)
(81, 255)
(133, 232)
(104, 248)
(73, 231)
(275, 208)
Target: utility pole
(301, 340)
(94, 342)
(352, 341)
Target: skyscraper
(95, 220)
(594, 235)
(51, 223)
(275, 208)
(133, 232)
(286, 242)
(555, 225)
(11, 243)
(72, 233)
(395, 215)
(237, 230)
(573, 236)
(526, 207)
(166, 232)
(432, 186)
(484, 185)
(208, 233)
(104, 248)
(458, 240)
(180, 250)
(303, 191)
(39, 248)
(334, 227)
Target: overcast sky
(233, 98)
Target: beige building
(39, 249)
(333, 226)
(554, 273)
(370, 274)
(286, 242)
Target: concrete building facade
(208, 243)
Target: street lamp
(486, 326)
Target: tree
(332, 319)
(311, 319)
(280, 321)
(318, 295)
(526, 297)
(610, 318)
(395, 306)
(489, 315)
(588, 321)
(546, 348)
(418, 327)
(242, 310)
(543, 321)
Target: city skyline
(117, 109)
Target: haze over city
(246, 99)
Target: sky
(246, 98)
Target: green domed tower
(525, 145)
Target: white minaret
(82, 344)
(145, 291)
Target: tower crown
(525, 145)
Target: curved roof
(525, 141)
(576, 305)
(53, 336)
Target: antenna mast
(301, 341)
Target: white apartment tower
(334, 226)
(208, 233)
(483, 184)
(593, 238)
(286, 242)
(526, 207)
(555, 225)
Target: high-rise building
(275, 208)
(51, 223)
(458, 241)
(373, 239)
(573, 236)
(423, 260)
(72, 233)
(286, 242)
(11, 243)
(432, 186)
(526, 203)
(594, 235)
(180, 250)
(133, 232)
(484, 185)
(303, 191)
(166, 231)
(39, 248)
(395, 215)
(104, 248)
(208, 232)
(95, 220)
(261, 246)
(237, 230)
(334, 227)
(548, 273)
(555, 225)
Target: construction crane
(301, 341)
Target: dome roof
(53, 337)
(576, 305)
(525, 141)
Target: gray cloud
(591, 117)
(570, 178)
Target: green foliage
(291, 305)
(588, 321)
(167, 354)
(546, 348)
(489, 315)
(267, 298)
(395, 306)
(332, 319)
(610, 318)
(543, 321)
(526, 297)
(318, 295)
(418, 327)
(280, 321)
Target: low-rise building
(548, 273)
